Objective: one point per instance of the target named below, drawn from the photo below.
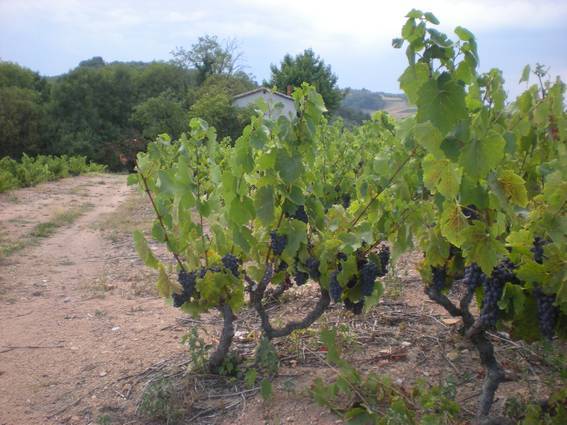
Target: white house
(278, 103)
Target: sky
(354, 36)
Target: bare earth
(68, 328)
(83, 334)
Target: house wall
(278, 105)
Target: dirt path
(69, 327)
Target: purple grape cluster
(312, 265)
(231, 263)
(384, 255)
(473, 276)
(537, 249)
(547, 313)
(300, 278)
(354, 307)
(300, 214)
(438, 278)
(335, 288)
(187, 281)
(493, 289)
(278, 243)
(368, 275)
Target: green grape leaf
(513, 299)
(430, 138)
(241, 211)
(531, 271)
(442, 101)
(525, 74)
(436, 248)
(479, 246)
(464, 34)
(259, 137)
(397, 43)
(513, 187)
(430, 17)
(415, 14)
(166, 288)
(289, 167)
(264, 203)
(453, 223)
(413, 78)
(144, 251)
(296, 233)
(479, 156)
(133, 179)
(441, 176)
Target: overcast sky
(354, 36)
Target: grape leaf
(479, 156)
(413, 78)
(144, 251)
(441, 176)
(453, 223)
(441, 101)
(264, 203)
(480, 247)
(430, 138)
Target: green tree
(160, 114)
(213, 103)
(209, 57)
(309, 68)
(22, 121)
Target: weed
(162, 400)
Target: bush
(34, 170)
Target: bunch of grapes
(438, 277)
(473, 276)
(345, 200)
(312, 265)
(537, 249)
(471, 212)
(282, 266)
(300, 214)
(368, 275)
(300, 277)
(335, 288)
(384, 255)
(187, 281)
(278, 243)
(231, 263)
(504, 272)
(493, 288)
(547, 313)
(355, 308)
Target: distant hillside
(359, 104)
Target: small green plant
(104, 420)
(163, 401)
(198, 349)
(375, 400)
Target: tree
(160, 114)
(307, 67)
(209, 57)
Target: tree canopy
(307, 67)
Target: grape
(493, 288)
(368, 275)
(278, 242)
(384, 256)
(179, 299)
(438, 277)
(504, 272)
(473, 276)
(312, 265)
(282, 266)
(341, 256)
(547, 313)
(335, 288)
(537, 249)
(187, 281)
(355, 308)
(231, 263)
(300, 214)
(471, 212)
(345, 200)
(301, 278)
